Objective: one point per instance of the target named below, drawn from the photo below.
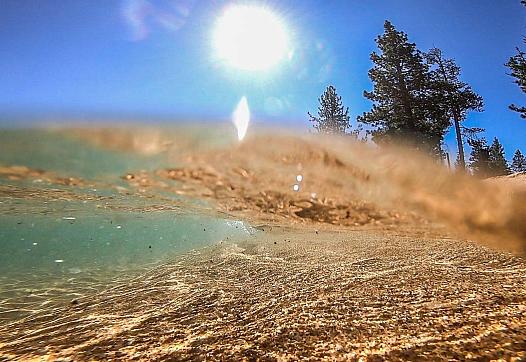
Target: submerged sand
(290, 294)
(368, 260)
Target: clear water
(53, 249)
(52, 151)
(82, 240)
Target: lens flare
(241, 118)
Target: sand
(371, 259)
(289, 294)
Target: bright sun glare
(250, 38)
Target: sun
(250, 38)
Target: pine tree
(455, 97)
(517, 65)
(498, 165)
(479, 159)
(457, 164)
(402, 108)
(519, 162)
(332, 117)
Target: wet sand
(291, 294)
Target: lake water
(59, 242)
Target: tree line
(417, 97)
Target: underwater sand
(372, 258)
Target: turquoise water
(58, 242)
(52, 151)
(77, 240)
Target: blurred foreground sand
(343, 183)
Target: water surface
(60, 241)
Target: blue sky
(100, 58)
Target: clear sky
(148, 59)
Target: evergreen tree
(479, 159)
(455, 97)
(402, 108)
(332, 117)
(517, 65)
(498, 165)
(457, 164)
(519, 162)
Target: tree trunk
(409, 131)
(460, 144)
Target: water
(53, 151)
(83, 240)
(59, 242)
